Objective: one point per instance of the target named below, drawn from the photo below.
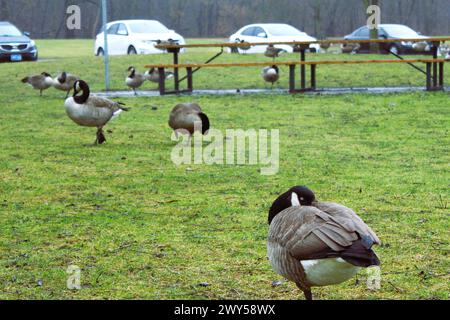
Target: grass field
(140, 227)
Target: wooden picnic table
(302, 47)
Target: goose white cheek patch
(294, 200)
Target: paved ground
(380, 90)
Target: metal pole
(106, 52)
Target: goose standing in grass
(153, 75)
(272, 52)
(271, 74)
(325, 46)
(39, 82)
(134, 79)
(317, 243)
(244, 48)
(189, 118)
(86, 110)
(65, 82)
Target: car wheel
(35, 58)
(100, 52)
(132, 51)
(394, 49)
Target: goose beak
(295, 202)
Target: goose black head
(81, 91)
(205, 122)
(295, 196)
(132, 71)
(62, 78)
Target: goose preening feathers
(153, 75)
(272, 52)
(65, 82)
(39, 82)
(316, 243)
(134, 79)
(271, 74)
(89, 111)
(189, 117)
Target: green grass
(140, 227)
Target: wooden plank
(336, 41)
(288, 63)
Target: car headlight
(32, 43)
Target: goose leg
(135, 93)
(100, 136)
(306, 291)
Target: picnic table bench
(434, 67)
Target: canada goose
(317, 243)
(169, 42)
(65, 82)
(134, 79)
(188, 117)
(244, 48)
(89, 111)
(419, 46)
(271, 74)
(153, 75)
(351, 48)
(272, 52)
(39, 82)
(444, 51)
(325, 46)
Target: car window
(283, 30)
(258, 30)
(362, 33)
(8, 30)
(113, 29)
(147, 27)
(122, 30)
(248, 31)
(400, 31)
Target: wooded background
(221, 18)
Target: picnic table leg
(291, 78)
(175, 71)
(441, 75)
(435, 65)
(162, 83)
(302, 70)
(313, 76)
(189, 79)
(428, 76)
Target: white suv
(135, 37)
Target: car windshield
(400, 32)
(9, 31)
(284, 30)
(147, 27)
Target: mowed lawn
(140, 227)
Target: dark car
(389, 31)
(16, 45)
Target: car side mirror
(262, 35)
(26, 33)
